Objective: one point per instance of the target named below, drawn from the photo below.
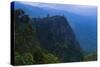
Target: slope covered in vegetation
(44, 40)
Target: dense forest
(44, 40)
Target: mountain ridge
(83, 26)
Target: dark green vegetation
(90, 57)
(44, 40)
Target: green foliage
(50, 58)
(22, 59)
(18, 59)
(36, 57)
(91, 57)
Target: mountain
(48, 40)
(56, 36)
(81, 18)
(27, 47)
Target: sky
(80, 10)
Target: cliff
(44, 40)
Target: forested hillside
(42, 40)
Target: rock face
(57, 37)
(44, 40)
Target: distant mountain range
(82, 19)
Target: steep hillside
(56, 36)
(44, 40)
(81, 18)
